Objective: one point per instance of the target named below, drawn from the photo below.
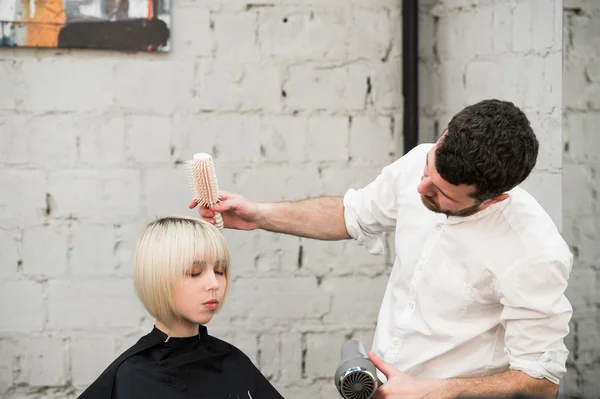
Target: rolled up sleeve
(536, 316)
(371, 210)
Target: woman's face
(199, 294)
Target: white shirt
(467, 296)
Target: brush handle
(219, 221)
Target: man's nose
(425, 187)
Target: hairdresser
(475, 302)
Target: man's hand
(237, 212)
(510, 382)
(403, 386)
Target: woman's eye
(219, 272)
(195, 274)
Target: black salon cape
(199, 367)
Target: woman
(181, 275)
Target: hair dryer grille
(358, 385)
(356, 376)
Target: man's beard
(468, 211)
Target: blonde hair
(166, 251)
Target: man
(475, 301)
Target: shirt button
(438, 227)
(411, 305)
(420, 267)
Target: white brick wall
(82, 349)
(91, 304)
(23, 307)
(43, 362)
(294, 98)
(581, 178)
(44, 251)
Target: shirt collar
(481, 214)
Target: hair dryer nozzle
(356, 376)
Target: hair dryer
(356, 376)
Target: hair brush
(203, 183)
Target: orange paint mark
(150, 16)
(43, 27)
(150, 9)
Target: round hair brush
(203, 183)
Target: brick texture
(293, 99)
(581, 174)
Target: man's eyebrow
(439, 189)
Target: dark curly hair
(489, 144)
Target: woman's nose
(212, 283)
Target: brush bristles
(203, 181)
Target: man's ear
(498, 198)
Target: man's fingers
(385, 368)
(225, 205)
(206, 213)
(378, 394)
(224, 195)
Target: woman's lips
(211, 304)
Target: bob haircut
(166, 252)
